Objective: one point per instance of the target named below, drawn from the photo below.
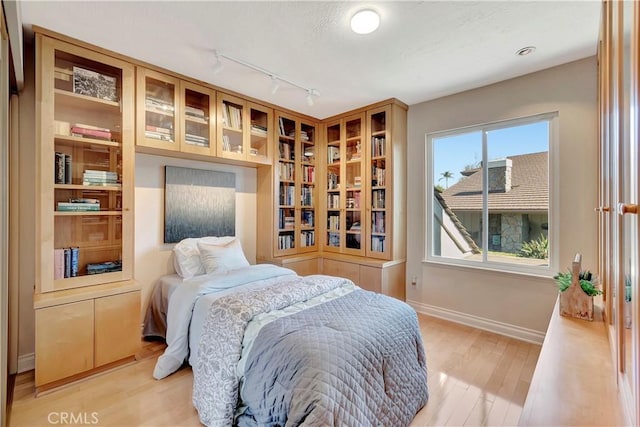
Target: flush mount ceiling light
(526, 51)
(365, 21)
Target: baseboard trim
(26, 362)
(512, 331)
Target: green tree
(446, 175)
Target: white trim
(553, 212)
(506, 329)
(26, 362)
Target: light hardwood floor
(475, 378)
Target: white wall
(152, 256)
(510, 303)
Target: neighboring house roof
(468, 245)
(529, 188)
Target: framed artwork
(198, 203)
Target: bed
(269, 347)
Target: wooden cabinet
(86, 149)
(76, 338)
(85, 142)
(294, 200)
(158, 110)
(345, 201)
(244, 130)
(365, 182)
(197, 119)
(386, 277)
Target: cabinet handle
(603, 209)
(627, 209)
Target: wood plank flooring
(476, 378)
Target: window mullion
(485, 198)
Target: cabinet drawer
(305, 267)
(64, 341)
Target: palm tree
(446, 175)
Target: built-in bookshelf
(345, 201)
(243, 129)
(198, 123)
(295, 175)
(377, 243)
(84, 262)
(158, 110)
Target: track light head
(275, 85)
(310, 97)
(218, 65)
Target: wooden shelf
(77, 140)
(87, 187)
(74, 100)
(87, 213)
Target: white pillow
(222, 257)
(186, 255)
(186, 259)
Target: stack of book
(307, 238)
(158, 105)
(226, 144)
(79, 205)
(65, 262)
(104, 267)
(193, 139)
(194, 113)
(89, 131)
(304, 136)
(158, 132)
(63, 168)
(100, 178)
(377, 146)
(286, 153)
(257, 129)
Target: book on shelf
(159, 104)
(258, 129)
(67, 262)
(158, 129)
(194, 112)
(58, 263)
(85, 200)
(91, 127)
(333, 154)
(78, 207)
(281, 126)
(158, 135)
(62, 168)
(104, 267)
(75, 255)
(91, 133)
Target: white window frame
(553, 234)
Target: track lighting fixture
(276, 80)
(275, 85)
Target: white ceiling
(422, 50)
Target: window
(488, 196)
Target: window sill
(489, 268)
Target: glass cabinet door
(378, 218)
(259, 134)
(308, 190)
(286, 187)
(231, 117)
(158, 110)
(334, 181)
(198, 119)
(353, 159)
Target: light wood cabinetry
(244, 130)
(74, 339)
(158, 110)
(197, 119)
(345, 175)
(618, 195)
(365, 182)
(85, 142)
(358, 197)
(294, 196)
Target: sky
(453, 153)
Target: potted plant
(577, 289)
